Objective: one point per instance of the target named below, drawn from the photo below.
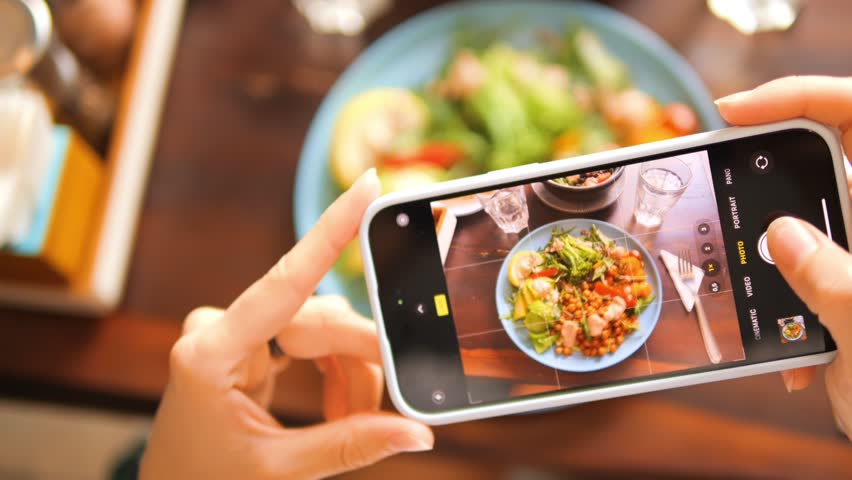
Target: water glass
(347, 17)
(661, 184)
(755, 16)
(507, 207)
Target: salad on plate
(580, 293)
(497, 104)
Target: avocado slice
(520, 308)
(542, 344)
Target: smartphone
(600, 276)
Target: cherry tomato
(641, 289)
(632, 265)
(548, 272)
(443, 155)
(605, 290)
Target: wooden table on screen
(248, 78)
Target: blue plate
(536, 240)
(412, 53)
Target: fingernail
(407, 442)
(788, 381)
(790, 242)
(736, 97)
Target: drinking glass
(755, 16)
(349, 17)
(507, 207)
(661, 184)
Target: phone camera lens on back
(402, 220)
(438, 397)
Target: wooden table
(248, 78)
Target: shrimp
(545, 290)
(466, 75)
(596, 324)
(569, 334)
(615, 309)
(557, 244)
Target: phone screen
(648, 268)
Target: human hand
(818, 270)
(213, 421)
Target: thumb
(355, 442)
(818, 270)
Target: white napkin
(687, 289)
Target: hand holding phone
(213, 422)
(817, 270)
(570, 284)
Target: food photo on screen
(589, 279)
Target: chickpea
(559, 350)
(605, 334)
(612, 348)
(572, 307)
(602, 351)
(578, 314)
(586, 344)
(620, 339)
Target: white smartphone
(595, 277)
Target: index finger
(826, 100)
(260, 312)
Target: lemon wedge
(521, 266)
(367, 127)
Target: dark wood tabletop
(218, 213)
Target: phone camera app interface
(644, 270)
(590, 278)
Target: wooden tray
(99, 289)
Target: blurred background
(157, 155)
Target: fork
(685, 270)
